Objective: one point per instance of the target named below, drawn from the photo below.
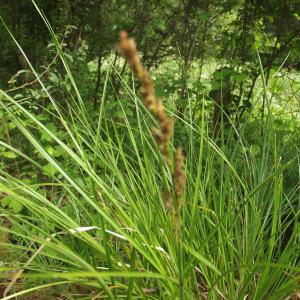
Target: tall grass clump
(128, 216)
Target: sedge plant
(135, 219)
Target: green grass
(239, 230)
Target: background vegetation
(89, 203)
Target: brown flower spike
(179, 180)
(163, 134)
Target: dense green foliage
(83, 185)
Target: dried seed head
(179, 173)
(162, 135)
(168, 201)
(157, 134)
(160, 111)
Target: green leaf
(58, 151)
(18, 96)
(9, 154)
(49, 170)
(53, 77)
(5, 201)
(201, 258)
(69, 57)
(15, 206)
(119, 114)
(11, 203)
(50, 149)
